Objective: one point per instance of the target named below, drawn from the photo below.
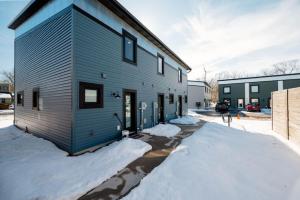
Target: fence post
(272, 109)
(287, 114)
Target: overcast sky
(243, 36)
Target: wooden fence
(286, 114)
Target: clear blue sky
(223, 35)
(8, 10)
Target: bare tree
(286, 67)
(9, 76)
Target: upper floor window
(179, 75)
(254, 89)
(227, 90)
(129, 47)
(90, 95)
(20, 98)
(160, 64)
(35, 98)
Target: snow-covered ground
(218, 162)
(266, 111)
(34, 168)
(167, 130)
(185, 120)
(6, 112)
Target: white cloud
(222, 38)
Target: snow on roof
(5, 96)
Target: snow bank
(218, 162)
(34, 168)
(266, 111)
(167, 130)
(185, 120)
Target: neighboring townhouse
(6, 88)
(242, 91)
(6, 94)
(86, 70)
(199, 94)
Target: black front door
(129, 103)
(180, 105)
(160, 111)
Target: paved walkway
(128, 178)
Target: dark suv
(222, 107)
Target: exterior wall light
(116, 95)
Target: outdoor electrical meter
(144, 105)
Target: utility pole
(204, 73)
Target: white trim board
(261, 79)
(196, 84)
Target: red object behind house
(253, 107)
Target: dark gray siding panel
(237, 92)
(265, 90)
(98, 50)
(43, 59)
(287, 84)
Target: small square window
(129, 47)
(227, 90)
(35, 98)
(254, 89)
(90, 95)
(171, 98)
(179, 75)
(160, 64)
(20, 98)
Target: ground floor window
(90, 95)
(255, 101)
(227, 101)
(185, 99)
(240, 103)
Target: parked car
(253, 107)
(222, 107)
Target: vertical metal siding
(43, 59)
(98, 50)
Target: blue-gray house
(83, 70)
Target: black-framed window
(185, 99)
(227, 90)
(90, 95)
(35, 98)
(254, 100)
(160, 64)
(180, 75)
(129, 47)
(20, 98)
(171, 98)
(254, 89)
(227, 101)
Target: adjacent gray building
(240, 92)
(83, 70)
(199, 94)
